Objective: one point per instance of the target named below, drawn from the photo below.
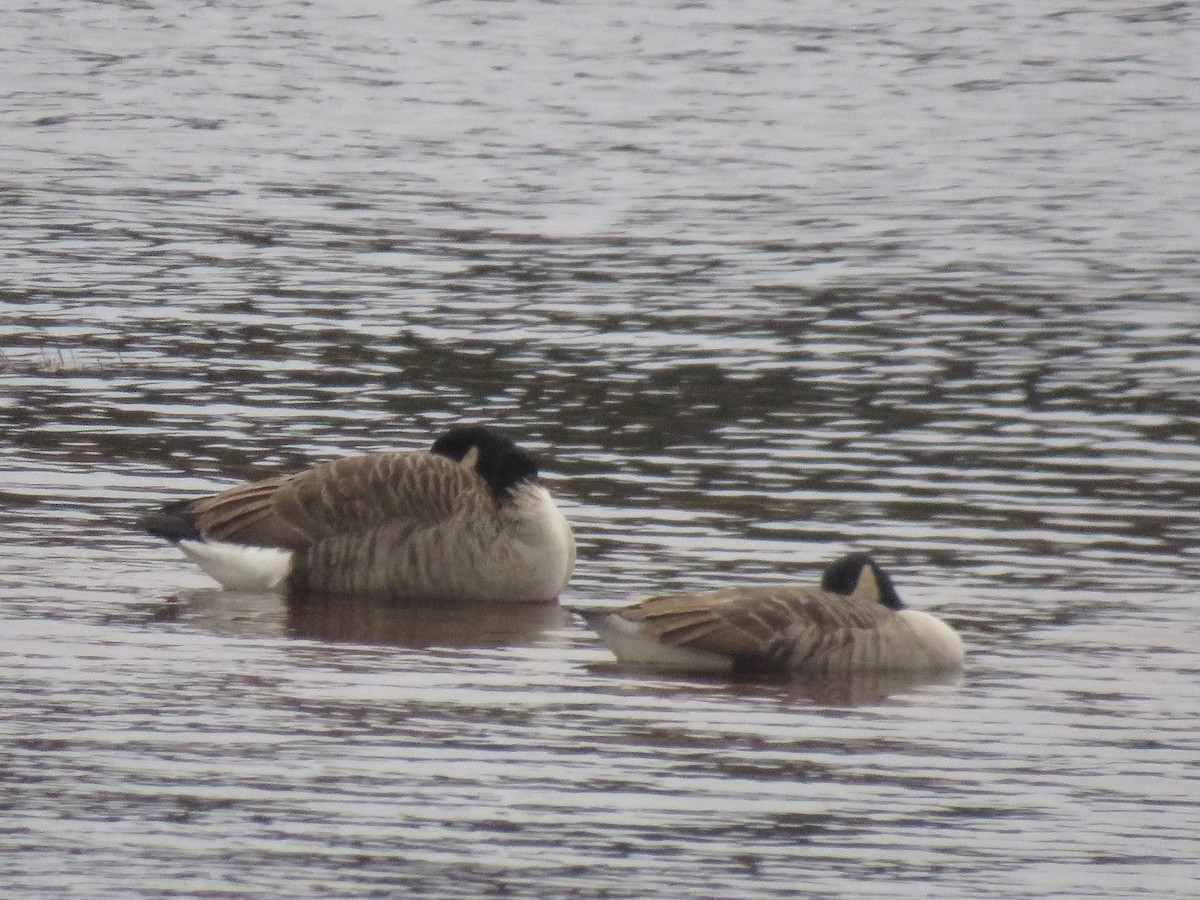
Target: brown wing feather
(342, 497)
(762, 623)
(246, 515)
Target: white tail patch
(238, 567)
(629, 645)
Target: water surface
(760, 285)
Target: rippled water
(761, 283)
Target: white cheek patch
(240, 568)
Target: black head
(500, 462)
(841, 577)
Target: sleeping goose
(465, 520)
(854, 623)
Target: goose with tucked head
(853, 623)
(465, 520)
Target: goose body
(466, 520)
(853, 623)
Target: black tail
(175, 522)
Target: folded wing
(344, 497)
(761, 626)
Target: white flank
(627, 642)
(932, 644)
(238, 567)
(538, 554)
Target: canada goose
(854, 623)
(465, 520)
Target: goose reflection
(862, 689)
(866, 689)
(420, 625)
(338, 619)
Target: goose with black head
(465, 520)
(853, 623)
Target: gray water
(760, 282)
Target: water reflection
(952, 428)
(355, 620)
(857, 690)
(421, 625)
